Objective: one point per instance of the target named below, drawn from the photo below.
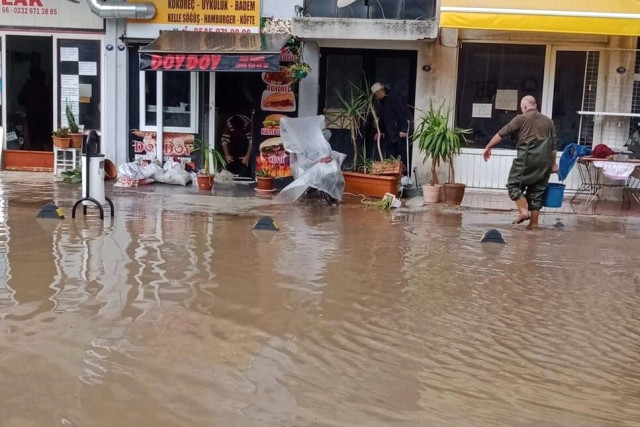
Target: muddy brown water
(174, 315)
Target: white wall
(437, 86)
(308, 95)
(280, 8)
(115, 135)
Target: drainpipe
(119, 9)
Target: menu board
(278, 100)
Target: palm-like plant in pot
(210, 158)
(440, 142)
(367, 177)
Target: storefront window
(635, 100)
(176, 99)
(179, 112)
(492, 78)
(79, 77)
(150, 85)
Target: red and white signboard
(72, 14)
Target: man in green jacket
(535, 162)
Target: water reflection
(7, 294)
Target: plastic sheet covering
(303, 138)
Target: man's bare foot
(522, 218)
(532, 227)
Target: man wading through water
(535, 162)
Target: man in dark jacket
(394, 117)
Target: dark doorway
(29, 93)
(340, 69)
(237, 96)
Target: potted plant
(367, 177)
(72, 176)
(265, 180)
(441, 142)
(74, 133)
(299, 70)
(211, 157)
(61, 137)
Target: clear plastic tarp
(313, 163)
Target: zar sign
(48, 14)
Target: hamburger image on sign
(278, 78)
(272, 121)
(278, 101)
(273, 158)
(272, 147)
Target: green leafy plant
(299, 70)
(363, 162)
(439, 141)
(384, 204)
(263, 173)
(211, 156)
(357, 109)
(73, 125)
(72, 176)
(62, 132)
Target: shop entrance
(342, 69)
(236, 98)
(29, 91)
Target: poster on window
(176, 146)
(278, 100)
(79, 83)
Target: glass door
(575, 89)
(29, 86)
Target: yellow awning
(611, 17)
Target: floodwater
(176, 314)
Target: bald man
(535, 162)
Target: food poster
(177, 146)
(278, 100)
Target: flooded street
(176, 313)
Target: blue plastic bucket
(553, 195)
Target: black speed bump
(492, 236)
(266, 223)
(50, 211)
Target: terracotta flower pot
(76, 140)
(265, 183)
(370, 185)
(205, 182)
(431, 193)
(110, 170)
(61, 142)
(454, 193)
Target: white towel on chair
(617, 171)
